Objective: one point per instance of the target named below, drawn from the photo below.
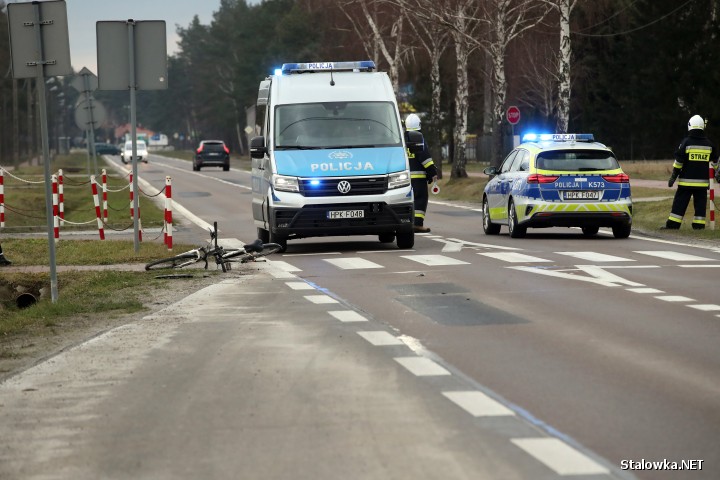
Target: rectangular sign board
(23, 39)
(113, 54)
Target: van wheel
(386, 237)
(279, 239)
(226, 168)
(515, 230)
(590, 231)
(406, 240)
(263, 235)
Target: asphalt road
(469, 356)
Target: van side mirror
(415, 141)
(257, 147)
(491, 171)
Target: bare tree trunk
(436, 144)
(563, 100)
(462, 54)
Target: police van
(332, 157)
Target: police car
(558, 180)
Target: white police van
(332, 158)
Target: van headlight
(399, 179)
(285, 184)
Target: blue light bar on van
(558, 137)
(364, 66)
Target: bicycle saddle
(256, 246)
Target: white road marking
(282, 274)
(699, 266)
(347, 316)
(677, 256)
(482, 245)
(310, 254)
(513, 257)
(675, 298)
(352, 263)
(284, 266)
(434, 260)
(596, 275)
(380, 338)
(421, 366)
(595, 257)
(299, 286)
(644, 290)
(320, 299)
(706, 307)
(478, 404)
(559, 456)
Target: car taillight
(227, 150)
(199, 150)
(539, 178)
(618, 178)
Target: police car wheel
(515, 230)
(621, 231)
(590, 231)
(488, 227)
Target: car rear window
(214, 147)
(577, 160)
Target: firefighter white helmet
(696, 122)
(412, 122)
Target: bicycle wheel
(178, 261)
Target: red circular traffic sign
(513, 115)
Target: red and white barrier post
(2, 199)
(132, 209)
(168, 213)
(711, 187)
(104, 195)
(98, 213)
(56, 210)
(61, 196)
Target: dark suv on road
(212, 153)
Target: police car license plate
(581, 195)
(341, 214)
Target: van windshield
(336, 125)
(577, 160)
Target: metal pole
(133, 133)
(42, 102)
(91, 142)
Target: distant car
(106, 149)
(564, 180)
(212, 153)
(142, 153)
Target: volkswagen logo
(340, 155)
(344, 187)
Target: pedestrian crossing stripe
(595, 257)
(435, 260)
(352, 263)
(676, 256)
(513, 257)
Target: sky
(83, 15)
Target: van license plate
(582, 195)
(341, 214)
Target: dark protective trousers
(680, 204)
(420, 192)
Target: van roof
(315, 87)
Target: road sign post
(513, 117)
(87, 110)
(40, 47)
(144, 45)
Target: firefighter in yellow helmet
(422, 172)
(691, 168)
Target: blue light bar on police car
(558, 137)
(363, 66)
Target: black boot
(4, 261)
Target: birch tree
(434, 39)
(381, 28)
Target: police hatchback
(558, 180)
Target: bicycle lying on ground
(224, 257)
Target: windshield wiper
(296, 147)
(351, 146)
